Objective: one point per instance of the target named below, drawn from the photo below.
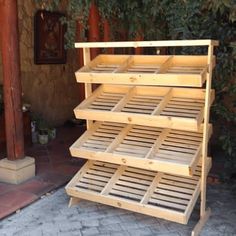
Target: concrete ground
(51, 216)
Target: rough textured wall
(50, 89)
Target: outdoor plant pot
(43, 137)
(52, 133)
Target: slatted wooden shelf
(153, 106)
(158, 194)
(145, 70)
(147, 130)
(144, 147)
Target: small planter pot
(43, 137)
(52, 133)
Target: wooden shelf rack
(158, 194)
(142, 147)
(147, 130)
(153, 106)
(143, 70)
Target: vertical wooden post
(11, 79)
(79, 54)
(205, 131)
(87, 86)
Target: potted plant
(42, 131)
(52, 132)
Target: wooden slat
(163, 103)
(169, 79)
(125, 65)
(166, 43)
(151, 188)
(205, 133)
(87, 86)
(164, 67)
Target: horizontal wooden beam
(135, 44)
(184, 80)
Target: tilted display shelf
(171, 197)
(145, 70)
(176, 108)
(146, 144)
(165, 150)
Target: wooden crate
(145, 70)
(171, 197)
(142, 147)
(153, 106)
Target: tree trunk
(79, 51)
(94, 33)
(139, 37)
(107, 34)
(80, 60)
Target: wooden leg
(73, 201)
(203, 219)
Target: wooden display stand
(146, 144)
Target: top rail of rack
(163, 43)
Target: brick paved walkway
(50, 216)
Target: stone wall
(50, 89)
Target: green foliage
(191, 19)
(178, 19)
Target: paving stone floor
(51, 216)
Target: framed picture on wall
(49, 38)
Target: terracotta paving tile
(57, 179)
(43, 167)
(44, 158)
(5, 187)
(16, 199)
(68, 169)
(36, 151)
(36, 187)
(59, 157)
(5, 211)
